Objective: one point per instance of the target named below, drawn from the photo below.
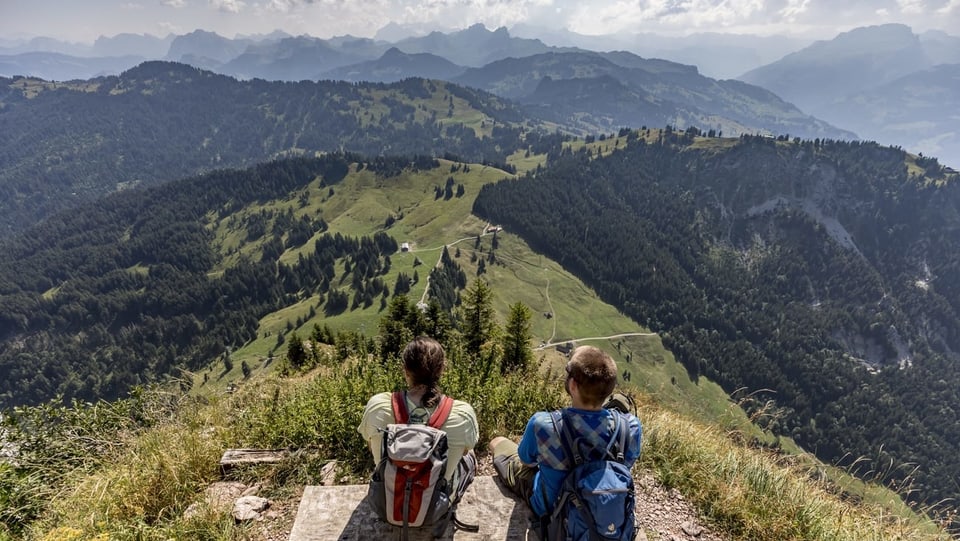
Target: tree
(398, 326)
(479, 325)
(296, 353)
(516, 340)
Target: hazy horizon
(84, 22)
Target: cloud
(950, 7)
(911, 7)
(174, 3)
(676, 15)
(169, 28)
(794, 8)
(228, 6)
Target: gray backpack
(409, 487)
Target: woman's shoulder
(380, 399)
(463, 407)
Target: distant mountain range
(884, 82)
(603, 91)
(828, 89)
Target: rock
(192, 511)
(218, 497)
(249, 508)
(328, 473)
(252, 491)
(691, 529)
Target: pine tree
(516, 341)
(296, 353)
(479, 325)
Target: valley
(212, 241)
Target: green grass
(142, 487)
(752, 494)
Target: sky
(82, 21)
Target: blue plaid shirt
(541, 445)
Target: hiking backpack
(409, 486)
(596, 500)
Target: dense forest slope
(67, 143)
(822, 275)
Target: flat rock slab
(343, 513)
(236, 457)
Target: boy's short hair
(595, 373)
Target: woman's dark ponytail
(424, 360)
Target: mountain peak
(393, 53)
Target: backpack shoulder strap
(400, 413)
(442, 412)
(570, 448)
(619, 436)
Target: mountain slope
(70, 143)
(851, 62)
(681, 94)
(61, 67)
(211, 47)
(290, 59)
(473, 46)
(913, 111)
(882, 82)
(821, 277)
(760, 262)
(395, 65)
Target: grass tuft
(760, 495)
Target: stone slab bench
(236, 457)
(233, 458)
(343, 513)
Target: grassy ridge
(141, 489)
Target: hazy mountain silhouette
(61, 67)
(681, 93)
(395, 65)
(203, 44)
(144, 45)
(916, 111)
(717, 55)
(474, 46)
(853, 61)
(880, 81)
(290, 59)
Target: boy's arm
(528, 451)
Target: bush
(323, 413)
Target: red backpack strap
(400, 413)
(442, 412)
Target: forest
(68, 143)
(94, 303)
(821, 276)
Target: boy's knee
(492, 446)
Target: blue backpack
(596, 500)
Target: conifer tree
(516, 341)
(479, 324)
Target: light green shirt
(461, 427)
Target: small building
(404, 246)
